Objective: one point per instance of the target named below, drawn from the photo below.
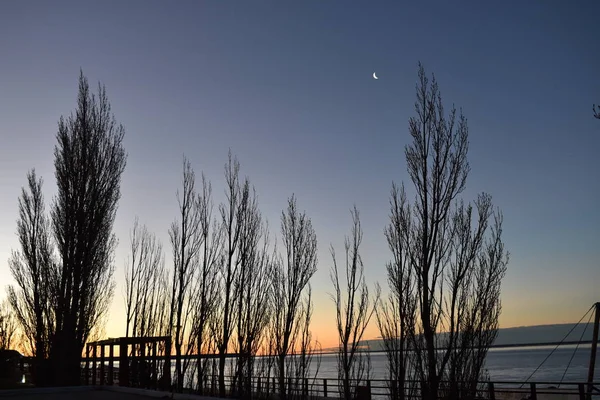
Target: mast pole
(594, 348)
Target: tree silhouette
(207, 281)
(8, 326)
(186, 242)
(290, 278)
(253, 292)
(146, 297)
(456, 259)
(354, 309)
(89, 160)
(232, 218)
(34, 271)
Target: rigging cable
(553, 350)
(576, 347)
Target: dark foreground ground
(96, 395)
(92, 393)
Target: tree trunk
(282, 392)
(222, 360)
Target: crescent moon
(375, 76)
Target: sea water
(568, 364)
(505, 364)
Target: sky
(288, 87)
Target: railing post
(533, 391)
(134, 371)
(167, 366)
(123, 364)
(143, 367)
(111, 366)
(102, 364)
(154, 367)
(491, 392)
(267, 385)
(258, 386)
(306, 387)
(325, 387)
(94, 365)
(87, 364)
(199, 367)
(581, 388)
(592, 364)
(363, 392)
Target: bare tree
(215, 330)
(253, 293)
(456, 271)
(303, 352)
(186, 241)
(189, 332)
(395, 325)
(478, 302)
(396, 316)
(354, 309)
(290, 278)
(207, 281)
(232, 216)
(89, 162)
(34, 271)
(8, 326)
(145, 297)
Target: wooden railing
(318, 388)
(262, 387)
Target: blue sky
(287, 86)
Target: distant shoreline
(496, 346)
(500, 346)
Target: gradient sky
(287, 86)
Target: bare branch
(232, 216)
(441, 316)
(186, 241)
(290, 278)
(8, 326)
(33, 269)
(354, 309)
